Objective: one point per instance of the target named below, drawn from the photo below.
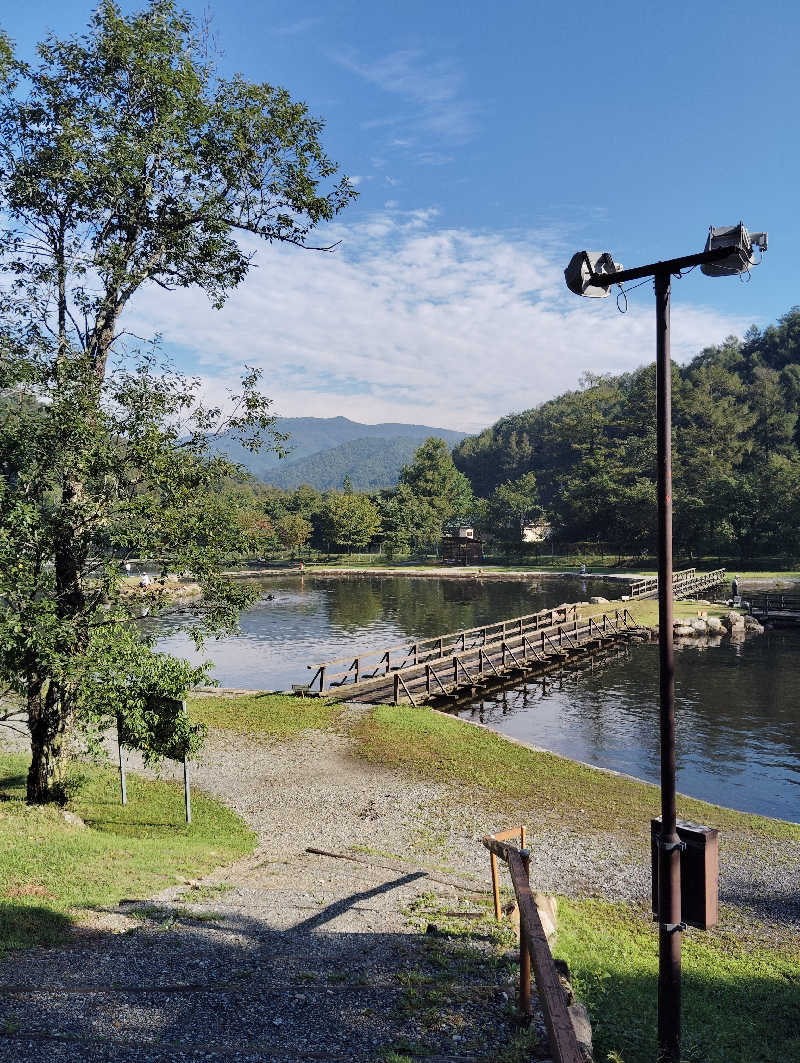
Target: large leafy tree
(125, 161)
(351, 520)
(442, 493)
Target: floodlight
(583, 265)
(741, 244)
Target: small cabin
(460, 545)
(536, 531)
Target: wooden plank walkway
(685, 583)
(464, 662)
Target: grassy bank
(646, 612)
(271, 715)
(515, 779)
(54, 872)
(740, 997)
(738, 1005)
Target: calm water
(738, 742)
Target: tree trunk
(48, 723)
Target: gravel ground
(288, 956)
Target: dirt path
(285, 955)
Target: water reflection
(737, 737)
(738, 742)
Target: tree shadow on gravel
(183, 988)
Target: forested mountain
(370, 454)
(736, 459)
(369, 463)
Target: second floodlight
(584, 266)
(741, 244)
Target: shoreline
(235, 692)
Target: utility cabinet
(699, 872)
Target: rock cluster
(734, 624)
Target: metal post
(122, 785)
(669, 862)
(186, 795)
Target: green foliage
(512, 503)
(128, 161)
(351, 520)
(293, 531)
(441, 492)
(736, 462)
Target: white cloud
(433, 90)
(411, 322)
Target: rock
(714, 623)
(699, 626)
(733, 620)
(72, 819)
(579, 1017)
(597, 600)
(754, 626)
(548, 913)
(683, 630)
(547, 907)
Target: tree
(512, 503)
(440, 489)
(351, 520)
(125, 161)
(293, 531)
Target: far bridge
(775, 608)
(463, 663)
(687, 583)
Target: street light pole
(591, 274)
(669, 853)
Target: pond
(738, 741)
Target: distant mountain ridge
(323, 450)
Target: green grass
(646, 612)
(544, 786)
(273, 715)
(52, 872)
(739, 1005)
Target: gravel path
(288, 956)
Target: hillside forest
(585, 463)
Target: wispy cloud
(433, 89)
(409, 321)
(293, 29)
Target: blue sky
(489, 142)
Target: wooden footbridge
(775, 608)
(686, 583)
(464, 662)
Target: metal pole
(122, 785)
(186, 796)
(669, 862)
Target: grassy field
(272, 715)
(513, 778)
(646, 612)
(53, 872)
(739, 1005)
(740, 998)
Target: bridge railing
(534, 949)
(434, 673)
(774, 601)
(370, 664)
(649, 584)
